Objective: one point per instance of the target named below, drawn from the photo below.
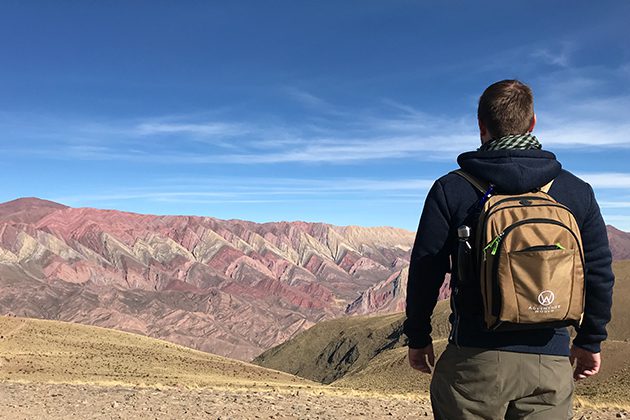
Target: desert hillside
(50, 351)
(332, 349)
(55, 370)
(229, 287)
(619, 243)
(369, 353)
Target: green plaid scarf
(513, 141)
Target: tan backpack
(527, 251)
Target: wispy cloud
(585, 134)
(307, 99)
(395, 132)
(559, 56)
(215, 129)
(578, 107)
(620, 221)
(584, 107)
(607, 180)
(358, 150)
(245, 189)
(614, 204)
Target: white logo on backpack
(546, 297)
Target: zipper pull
(559, 246)
(497, 242)
(493, 245)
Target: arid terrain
(228, 287)
(45, 401)
(234, 288)
(56, 370)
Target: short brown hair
(506, 107)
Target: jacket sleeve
(428, 267)
(599, 280)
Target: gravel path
(50, 401)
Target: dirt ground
(49, 401)
(59, 401)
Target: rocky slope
(229, 287)
(333, 349)
(619, 243)
(369, 353)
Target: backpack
(527, 255)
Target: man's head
(506, 107)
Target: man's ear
(533, 124)
(482, 128)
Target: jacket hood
(512, 171)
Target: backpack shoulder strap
(476, 182)
(483, 186)
(547, 187)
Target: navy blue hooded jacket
(451, 200)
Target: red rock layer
(229, 287)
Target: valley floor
(61, 401)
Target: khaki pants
(471, 383)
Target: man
(514, 374)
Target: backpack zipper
(490, 212)
(553, 247)
(493, 245)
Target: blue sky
(335, 111)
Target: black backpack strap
(476, 182)
(485, 186)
